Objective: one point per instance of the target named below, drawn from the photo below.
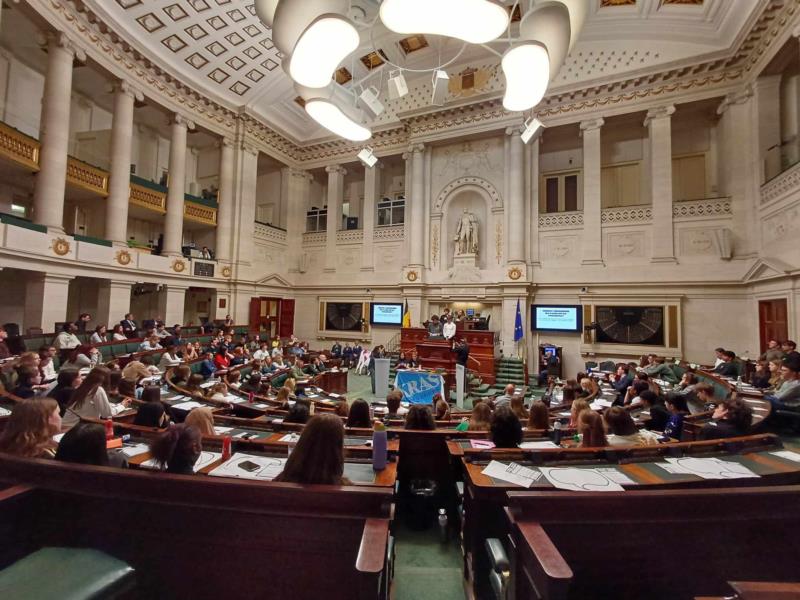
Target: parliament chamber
(400, 299)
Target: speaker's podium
(436, 353)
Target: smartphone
(249, 466)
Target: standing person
(129, 326)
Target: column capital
(592, 124)
(179, 119)
(739, 97)
(59, 39)
(125, 87)
(335, 170)
(416, 148)
(660, 112)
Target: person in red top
(221, 360)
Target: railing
(87, 177)
(199, 213)
(561, 220)
(623, 215)
(705, 207)
(18, 147)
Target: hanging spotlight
(370, 102)
(320, 49)
(527, 70)
(473, 21)
(441, 81)
(533, 127)
(397, 85)
(367, 157)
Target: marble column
(592, 231)
(173, 221)
(297, 193)
(372, 192)
(336, 175)
(171, 301)
(417, 232)
(516, 197)
(113, 302)
(46, 301)
(51, 180)
(659, 131)
(225, 201)
(119, 185)
(739, 169)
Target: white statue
(466, 238)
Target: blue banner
(419, 387)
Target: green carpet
(426, 568)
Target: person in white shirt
(168, 359)
(119, 334)
(449, 329)
(99, 335)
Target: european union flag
(518, 333)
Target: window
(689, 177)
(560, 192)
(391, 212)
(620, 185)
(316, 220)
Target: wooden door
(286, 321)
(772, 321)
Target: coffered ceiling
(222, 49)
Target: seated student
(731, 418)
(420, 417)
(29, 383)
(203, 419)
(208, 367)
(678, 408)
(85, 444)
(30, 429)
(66, 384)
(393, 404)
(578, 406)
(253, 384)
(506, 430)
(359, 414)
(661, 370)
(728, 366)
(623, 432)
(318, 457)
(538, 416)
(761, 375)
(518, 408)
(90, 399)
(659, 415)
(442, 409)
(81, 357)
(299, 412)
(180, 375)
(591, 430)
(169, 358)
(177, 449)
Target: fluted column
(336, 175)
(372, 190)
(48, 199)
(417, 232)
(173, 222)
(119, 185)
(592, 232)
(659, 129)
(516, 198)
(225, 201)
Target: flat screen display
(386, 313)
(556, 318)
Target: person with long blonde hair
(30, 429)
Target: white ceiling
(222, 49)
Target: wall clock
(630, 325)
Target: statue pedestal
(465, 260)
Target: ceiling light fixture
(533, 126)
(527, 70)
(320, 49)
(367, 156)
(334, 119)
(473, 21)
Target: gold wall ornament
(178, 265)
(123, 257)
(514, 273)
(412, 276)
(226, 271)
(61, 246)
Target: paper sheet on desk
(707, 468)
(580, 480)
(788, 455)
(512, 473)
(268, 467)
(537, 445)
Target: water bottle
(379, 444)
(442, 525)
(557, 433)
